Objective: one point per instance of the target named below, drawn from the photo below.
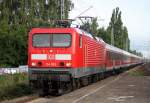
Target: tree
(90, 26)
(120, 32)
(136, 53)
(94, 26)
(103, 34)
(17, 17)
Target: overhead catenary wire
(84, 11)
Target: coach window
(80, 41)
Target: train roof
(80, 31)
(112, 48)
(118, 50)
(83, 32)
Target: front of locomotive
(50, 54)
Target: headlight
(33, 64)
(68, 64)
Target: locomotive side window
(80, 41)
(61, 40)
(41, 40)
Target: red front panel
(50, 56)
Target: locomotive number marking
(50, 57)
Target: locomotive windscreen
(51, 40)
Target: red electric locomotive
(63, 58)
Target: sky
(135, 16)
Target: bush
(12, 86)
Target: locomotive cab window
(51, 40)
(61, 40)
(41, 40)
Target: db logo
(51, 57)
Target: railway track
(79, 94)
(35, 98)
(74, 96)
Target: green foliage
(86, 26)
(120, 32)
(136, 53)
(90, 27)
(12, 86)
(121, 39)
(138, 72)
(104, 35)
(94, 26)
(17, 17)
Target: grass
(137, 72)
(12, 86)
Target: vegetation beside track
(136, 72)
(12, 86)
(141, 71)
